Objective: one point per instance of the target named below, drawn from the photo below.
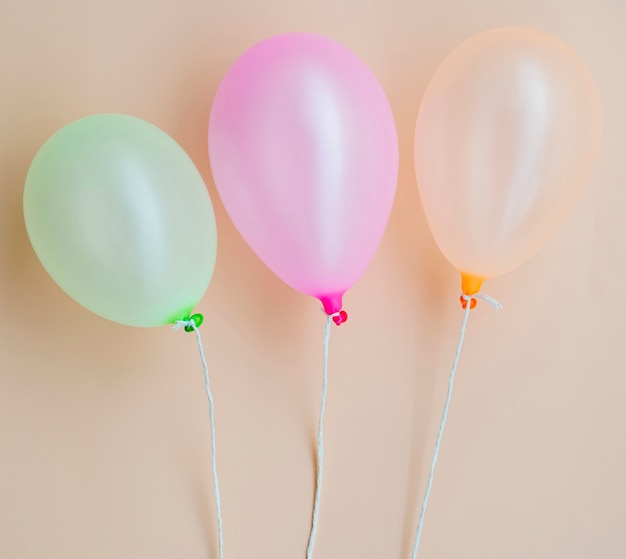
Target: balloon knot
(468, 298)
(339, 317)
(190, 324)
(473, 301)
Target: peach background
(104, 436)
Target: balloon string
(444, 416)
(320, 442)
(207, 386)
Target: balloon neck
(470, 285)
(332, 307)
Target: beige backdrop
(104, 435)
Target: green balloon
(121, 219)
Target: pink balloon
(304, 153)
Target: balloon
(304, 153)
(121, 219)
(505, 140)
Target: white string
(216, 487)
(492, 302)
(444, 416)
(320, 442)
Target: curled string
(444, 416)
(320, 441)
(216, 486)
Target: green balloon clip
(197, 318)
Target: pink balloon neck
(332, 306)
